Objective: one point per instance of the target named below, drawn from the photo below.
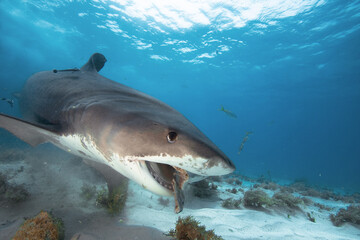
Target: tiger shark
(117, 127)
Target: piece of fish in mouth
(180, 177)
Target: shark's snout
(218, 165)
(225, 163)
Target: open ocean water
(275, 84)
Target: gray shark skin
(116, 126)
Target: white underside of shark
(134, 167)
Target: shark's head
(149, 144)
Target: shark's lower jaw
(172, 179)
(162, 173)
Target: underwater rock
(204, 189)
(351, 215)
(42, 227)
(189, 229)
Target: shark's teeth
(160, 176)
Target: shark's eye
(172, 137)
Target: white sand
(143, 209)
(55, 182)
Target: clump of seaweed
(88, 191)
(301, 186)
(234, 190)
(322, 207)
(351, 215)
(311, 217)
(270, 186)
(189, 229)
(113, 201)
(234, 181)
(307, 201)
(203, 189)
(286, 200)
(164, 201)
(16, 193)
(42, 226)
(12, 192)
(231, 203)
(256, 199)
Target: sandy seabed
(54, 179)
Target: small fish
(244, 140)
(9, 101)
(228, 112)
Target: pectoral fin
(28, 132)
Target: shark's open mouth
(172, 178)
(162, 173)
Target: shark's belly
(133, 169)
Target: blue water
(289, 70)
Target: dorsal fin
(95, 63)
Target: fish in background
(227, 112)
(9, 101)
(246, 137)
